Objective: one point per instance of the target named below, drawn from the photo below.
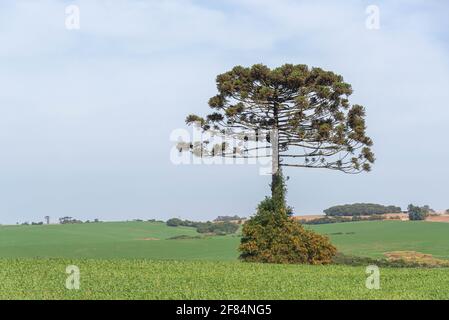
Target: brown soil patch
(309, 217)
(416, 258)
(442, 218)
(149, 239)
(396, 216)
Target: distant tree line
(339, 219)
(361, 209)
(228, 218)
(70, 220)
(220, 228)
(31, 224)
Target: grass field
(126, 240)
(138, 260)
(374, 238)
(146, 279)
(113, 240)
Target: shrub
(227, 218)
(326, 220)
(174, 222)
(271, 236)
(184, 237)
(417, 213)
(220, 228)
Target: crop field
(151, 240)
(374, 238)
(146, 279)
(148, 260)
(114, 240)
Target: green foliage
(279, 193)
(144, 279)
(184, 237)
(175, 222)
(68, 220)
(271, 236)
(228, 218)
(326, 220)
(218, 228)
(361, 209)
(341, 219)
(418, 213)
(373, 217)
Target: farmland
(147, 279)
(108, 240)
(146, 260)
(151, 240)
(374, 238)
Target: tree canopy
(307, 108)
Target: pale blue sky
(86, 115)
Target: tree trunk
(275, 147)
(274, 139)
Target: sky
(86, 113)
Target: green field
(373, 238)
(138, 260)
(146, 279)
(113, 240)
(126, 240)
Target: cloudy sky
(86, 115)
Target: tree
(271, 236)
(417, 213)
(174, 222)
(65, 220)
(306, 112)
(304, 117)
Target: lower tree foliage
(271, 236)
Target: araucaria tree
(304, 119)
(306, 111)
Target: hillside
(374, 238)
(151, 240)
(113, 240)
